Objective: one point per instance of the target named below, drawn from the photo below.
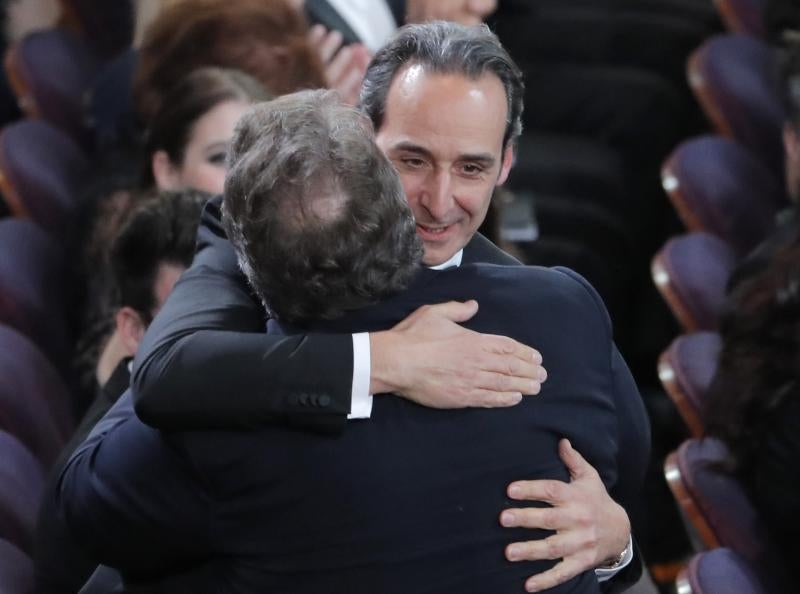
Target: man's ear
(505, 166)
(130, 328)
(165, 172)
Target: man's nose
(438, 198)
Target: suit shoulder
(556, 291)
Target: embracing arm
(205, 361)
(592, 528)
(132, 501)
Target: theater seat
(734, 78)
(743, 16)
(720, 571)
(686, 369)
(32, 296)
(21, 485)
(49, 72)
(691, 272)
(719, 511)
(16, 570)
(716, 185)
(41, 170)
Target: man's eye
(217, 159)
(472, 169)
(413, 163)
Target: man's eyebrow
(410, 147)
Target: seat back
(50, 71)
(716, 185)
(26, 371)
(720, 571)
(21, 485)
(32, 292)
(16, 570)
(735, 80)
(717, 507)
(743, 16)
(25, 409)
(686, 369)
(691, 272)
(41, 169)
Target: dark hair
(192, 97)
(161, 230)
(759, 365)
(264, 38)
(444, 48)
(314, 209)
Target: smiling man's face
(444, 134)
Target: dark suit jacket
(61, 565)
(407, 501)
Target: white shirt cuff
(606, 574)
(360, 398)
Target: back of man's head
(444, 48)
(160, 231)
(315, 210)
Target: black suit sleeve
(633, 443)
(118, 510)
(205, 362)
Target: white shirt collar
(453, 262)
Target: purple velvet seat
(50, 72)
(34, 404)
(719, 510)
(720, 571)
(41, 169)
(735, 80)
(16, 570)
(107, 26)
(716, 185)
(22, 482)
(686, 369)
(743, 16)
(690, 272)
(31, 287)
(26, 372)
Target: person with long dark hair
(754, 400)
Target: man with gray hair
(321, 228)
(445, 101)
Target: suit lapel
(480, 250)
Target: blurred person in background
(186, 141)
(753, 403)
(152, 247)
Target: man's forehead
(422, 103)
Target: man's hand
(430, 359)
(344, 66)
(591, 528)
